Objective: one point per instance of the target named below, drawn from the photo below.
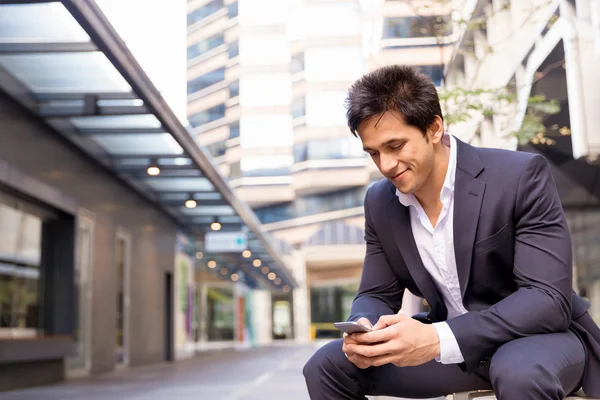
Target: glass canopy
(64, 61)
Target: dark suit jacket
(513, 256)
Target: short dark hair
(399, 88)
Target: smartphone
(351, 327)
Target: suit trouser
(538, 367)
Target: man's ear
(436, 129)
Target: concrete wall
(37, 151)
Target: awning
(65, 63)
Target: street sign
(225, 242)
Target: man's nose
(388, 164)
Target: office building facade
(267, 82)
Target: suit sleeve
(542, 270)
(379, 292)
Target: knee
(518, 380)
(323, 359)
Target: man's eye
(398, 147)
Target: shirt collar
(448, 187)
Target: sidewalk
(269, 373)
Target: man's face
(400, 151)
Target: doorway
(123, 266)
(169, 317)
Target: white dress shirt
(436, 248)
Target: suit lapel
(468, 197)
(401, 226)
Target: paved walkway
(271, 373)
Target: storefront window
(220, 307)
(20, 254)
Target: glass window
(298, 107)
(206, 80)
(414, 27)
(297, 64)
(311, 205)
(436, 72)
(234, 49)
(272, 165)
(325, 109)
(234, 89)
(232, 10)
(338, 148)
(265, 90)
(220, 307)
(20, 256)
(217, 149)
(266, 130)
(208, 115)
(333, 64)
(234, 129)
(209, 8)
(205, 45)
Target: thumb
(365, 322)
(388, 320)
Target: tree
(472, 102)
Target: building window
(297, 64)
(208, 115)
(436, 72)
(329, 149)
(20, 278)
(232, 10)
(234, 49)
(208, 9)
(416, 27)
(298, 107)
(234, 129)
(234, 89)
(206, 80)
(217, 149)
(220, 314)
(205, 46)
(311, 205)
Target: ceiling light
(191, 203)
(265, 270)
(212, 264)
(224, 271)
(257, 263)
(277, 281)
(199, 255)
(153, 170)
(246, 253)
(216, 225)
(235, 277)
(271, 276)
(286, 288)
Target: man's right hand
(348, 340)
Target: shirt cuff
(449, 351)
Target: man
(481, 235)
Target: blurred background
(177, 179)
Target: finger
(375, 336)
(388, 320)
(383, 360)
(372, 351)
(360, 361)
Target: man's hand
(395, 339)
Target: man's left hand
(395, 339)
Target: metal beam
(73, 111)
(17, 90)
(120, 131)
(141, 156)
(64, 47)
(97, 26)
(2, 2)
(82, 96)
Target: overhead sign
(225, 242)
